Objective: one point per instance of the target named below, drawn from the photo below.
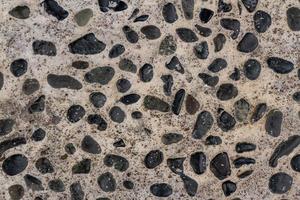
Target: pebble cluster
(175, 95)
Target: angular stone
(87, 45)
(227, 91)
(217, 65)
(274, 122)
(83, 17)
(191, 105)
(127, 65)
(167, 46)
(205, 15)
(130, 34)
(203, 31)
(175, 64)
(154, 103)
(38, 105)
(44, 165)
(201, 50)
(209, 80)
(101, 75)
(52, 8)
(20, 12)
(171, 138)
(190, 185)
(178, 101)
(259, 111)
(176, 165)
(203, 124)
(250, 4)
(82, 167)
(33, 183)
(88, 144)
(56, 185)
(231, 24)
(118, 162)
(225, 121)
(42, 47)
(198, 162)
(220, 166)
(168, 83)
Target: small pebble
(116, 51)
(205, 15)
(151, 32)
(80, 64)
(88, 144)
(83, 17)
(161, 189)
(87, 45)
(16, 192)
(171, 138)
(107, 182)
(186, 35)
(293, 18)
(30, 86)
(252, 69)
(127, 65)
(228, 188)
(98, 99)
(117, 114)
(75, 113)
(248, 43)
(201, 50)
(18, 67)
(169, 13)
(101, 75)
(198, 162)
(56, 185)
(20, 12)
(44, 48)
(153, 159)
(123, 85)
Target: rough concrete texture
(276, 90)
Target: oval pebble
(274, 122)
(98, 99)
(161, 189)
(262, 21)
(295, 163)
(88, 144)
(293, 18)
(30, 86)
(153, 159)
(280, 183)
(171, 138)
(280, 65)
(226, 92)
(14, 164)
(107, 182)
(248, 43)
(146, 73)
(16, 192)
(101, 75)
(117, 114)
(151, 32)
(83, 17)
(116, 51)
(63, 81)
(186, 35)
(20, 12)
(18, 67)
(169, 13)
(75, 113)
(252, 69)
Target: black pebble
(235, 75)
(116, 51)
(208, 79)
(80, 64)
(220, 166)
(190, 185)
(130, 35)
(97, 119)
(205, 15)
(155, 103)
(295, 163)
(18, 67)
(186, 35)
(38, 105)
(224, 7)
(30, 86)
(201, 50)
(117, 114)
(87, 45)
(52, 8)
(250, 4)
(136, 115)
(153, 159)
(219, 42)
(262, 21)
(198, 162)
(38, 135)
(98, 99)
(175, 64)
(161, 189)
(231, 24)
(242, 147)
(225, 121)
(178, 101)
(171, 138)
(76, 191)
(120, 7)
(151, 32)
(296, 96)
(248, 43)
(63, 81)
(123, 85)
(274, 122)
(176, 165)
(217, 65)
(20, 12)
(245, 174)
(130, 99)
(42, 47)
(146, 73)
(280, 65)
(75, 113)
(1, 80)
(118, 162)
(239, 162)
(14, 164)
(169, 13)
(44, 165)
(101, 75)
(213, 140)
(82, 167)
(168, 83)
(128, 184)
(259, 111)
(127, 65)
(6, 126)
(16, 192)
(107, 182)
(227, 91)
(284, 148)
(70, 148)
(203, 31)
(188, 8)
(141, 18)
(56, 185)
(252, 69)
(33, 183)
(293, 18)
(228, 188)
(88, 144)
(119, 143)
(280, 183)
(203, 124)
(11, 143)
